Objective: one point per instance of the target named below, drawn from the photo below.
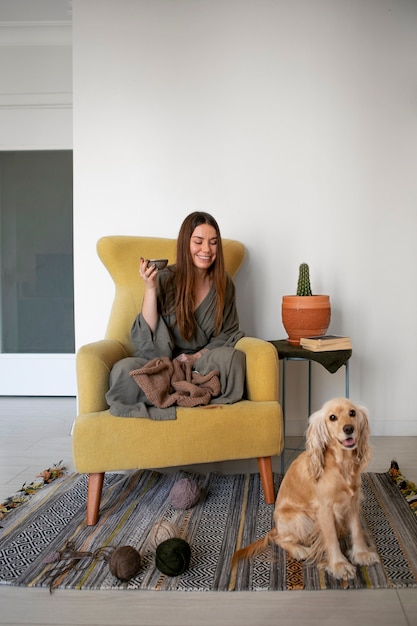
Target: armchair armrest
(262, 371)
(94, 362)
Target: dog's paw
(298, 552)
(341, 569)
(365, 556)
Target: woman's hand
(148, 273)
(191, 358)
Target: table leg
(347, 378)
(284, 383)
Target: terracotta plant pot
(305, 316)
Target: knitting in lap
(167, 382)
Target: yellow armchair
(251, 428)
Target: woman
(188, 314)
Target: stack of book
(325, 343)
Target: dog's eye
(332, 418)
(352, 413)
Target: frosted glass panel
(36, 260)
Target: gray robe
(126, 399)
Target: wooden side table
(331, 360)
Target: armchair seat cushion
(102, 442)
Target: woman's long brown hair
(185, 273)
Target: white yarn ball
(161, 531)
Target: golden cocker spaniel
(318, 500)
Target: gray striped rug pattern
(231, 513)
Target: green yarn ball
(173, 556)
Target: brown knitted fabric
(167, 382)
(154, 379)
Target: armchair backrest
(121, 254)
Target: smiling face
(203, 246)
(335, 430)
(343, 424)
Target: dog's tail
(254, 548)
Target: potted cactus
(305, 314)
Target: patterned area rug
(231, 513)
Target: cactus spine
(303, 285)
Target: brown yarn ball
(185, 493)
(125, 563)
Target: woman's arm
(229, 334)
(150, 304)
(151, 335)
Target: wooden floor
(35, 432)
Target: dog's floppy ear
(364, 448)
(317, 438)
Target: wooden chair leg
(265, 470)
(95, 487)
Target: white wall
(294, 123)
(35, 83)
(36, 114)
